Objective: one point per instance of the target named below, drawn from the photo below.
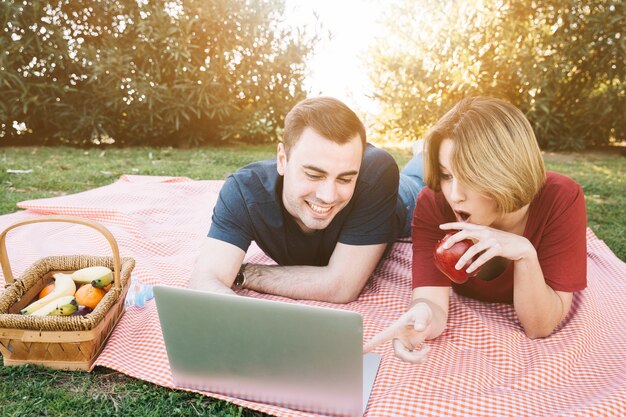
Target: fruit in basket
(103, 281)
(89, 296)
(82, 311)
(63, 286)
(46, 290)
(89, 274)
(65, 309)
(63, 306)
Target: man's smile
(319, 209)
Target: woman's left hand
(488, 242)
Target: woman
(485, 179)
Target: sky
(336, 69)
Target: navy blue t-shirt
(250, 208)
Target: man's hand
(216, 267)
(408, 334)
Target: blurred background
(189, 73)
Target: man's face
(319, 178)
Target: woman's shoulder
(428, 196)
(433, 205)
(559, 193)
(559, 185)
(560, 179)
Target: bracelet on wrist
(240, 279)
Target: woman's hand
(408, 334)
(489, 243)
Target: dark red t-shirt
(556, 227)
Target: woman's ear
(281, 159)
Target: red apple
(445, 259)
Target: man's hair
(495, 151)
(327, 116)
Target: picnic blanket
(482, 365)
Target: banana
(63, 306)
(63, 286)
(91, 273)
(103, 281)
(64, 310)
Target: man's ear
(281, 159)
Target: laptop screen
(292, 355)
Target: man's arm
(341, 281)
(216, 266)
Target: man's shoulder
(263, 171)
(255, 181)
(375, 154)
(377, 163)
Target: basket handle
(4, 260)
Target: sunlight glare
(337, 67)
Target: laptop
(297, 356)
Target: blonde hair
(495, 151)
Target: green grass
(35, 391)
(602, 177)
(26, 391)
(59, 171)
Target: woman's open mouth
(462, 215)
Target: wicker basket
(71, 342)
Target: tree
(561, 62)
(182, 73)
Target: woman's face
(468, 205)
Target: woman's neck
(514, 222)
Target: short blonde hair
(495, 151)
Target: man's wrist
(240, 279)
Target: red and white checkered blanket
(482, 365)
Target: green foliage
(562, 62)
(181, 73)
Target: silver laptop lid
(292, 355)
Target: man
(324, 210)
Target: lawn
(58, 171)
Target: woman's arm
(539, 308)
